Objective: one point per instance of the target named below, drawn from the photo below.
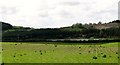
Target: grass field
(59, 52)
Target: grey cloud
(100, 15)
(103, 15)
(66, 14)
(71, 3)
(43, 15)
(8, 10)
(106, 11)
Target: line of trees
(75, 31)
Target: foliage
(75, 31)
(6, 26)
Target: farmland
(59, 52)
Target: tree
(6, 26)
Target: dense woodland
(76, 31)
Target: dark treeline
(76, 31)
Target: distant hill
(75, 27)
(76, 31)
(113, 24)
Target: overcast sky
(57, 13)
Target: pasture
(59, 52)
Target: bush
(40, 50)
(45, 51)
(118, 57)
(94, 50)
(103, 47)
(2, 64)
(25, 54)
(13, 56)
(104, 56)
(20, 54)
(94, 57)
(55, 45)
(41, 53)
(89, 51)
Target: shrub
(13, 56)
(118, 57)
(103, 47)
(2, 64)
(94, 57)
(94, 50)
(41, 53)
(25, 54)
(40, 50)
(55, 45)
(89, 51)
(104, 56)
(20, 54)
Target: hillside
(76, 31)
(6, 26)
(113, 24)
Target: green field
(59, 52)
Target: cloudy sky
(57, 13)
